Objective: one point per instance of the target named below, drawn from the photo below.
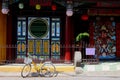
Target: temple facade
(45, 31)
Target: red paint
(108, 4)
(10, 51)
(84, 17)
(41, 2)
(91, 33)
(54, 7)
(67, 39)
(104, 12)
(67, 56)
(117, 40)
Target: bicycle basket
(27, 60)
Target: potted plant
(82, 41)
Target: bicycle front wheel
(26, 70)
(47, 70)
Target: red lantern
(84, 17)
(54, 7)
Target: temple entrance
(82, 26)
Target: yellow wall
(3, 24)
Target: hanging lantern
(21, 5)
(5, 9)
(69, 9)
(37, 6)
(84, 17)
(54, 7)
(69, 12)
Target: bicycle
(46, 69)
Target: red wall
(118, 40)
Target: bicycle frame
(38, 67)
(46, 69)
(28, 60)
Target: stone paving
(102, 66)
(106, 66)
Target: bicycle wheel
(26, 70)
(47, 70)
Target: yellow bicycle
(46, 69)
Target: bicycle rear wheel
(47, 70)
(26, 70)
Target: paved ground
(60, 78)
(102, 66)
(101, 71)
(67, 74)
(102, 75)
(18, 67)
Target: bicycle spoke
(48, 70)
(26, 70)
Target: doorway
(38, 36)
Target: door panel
(39, 35)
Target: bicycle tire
(47, 70)
(26, 70)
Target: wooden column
(9, 39)
(68, 39)
(3, 23)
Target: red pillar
(118, 40)
(67, 39)
(9, 54)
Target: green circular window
(38, 28)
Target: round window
(38, 28)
